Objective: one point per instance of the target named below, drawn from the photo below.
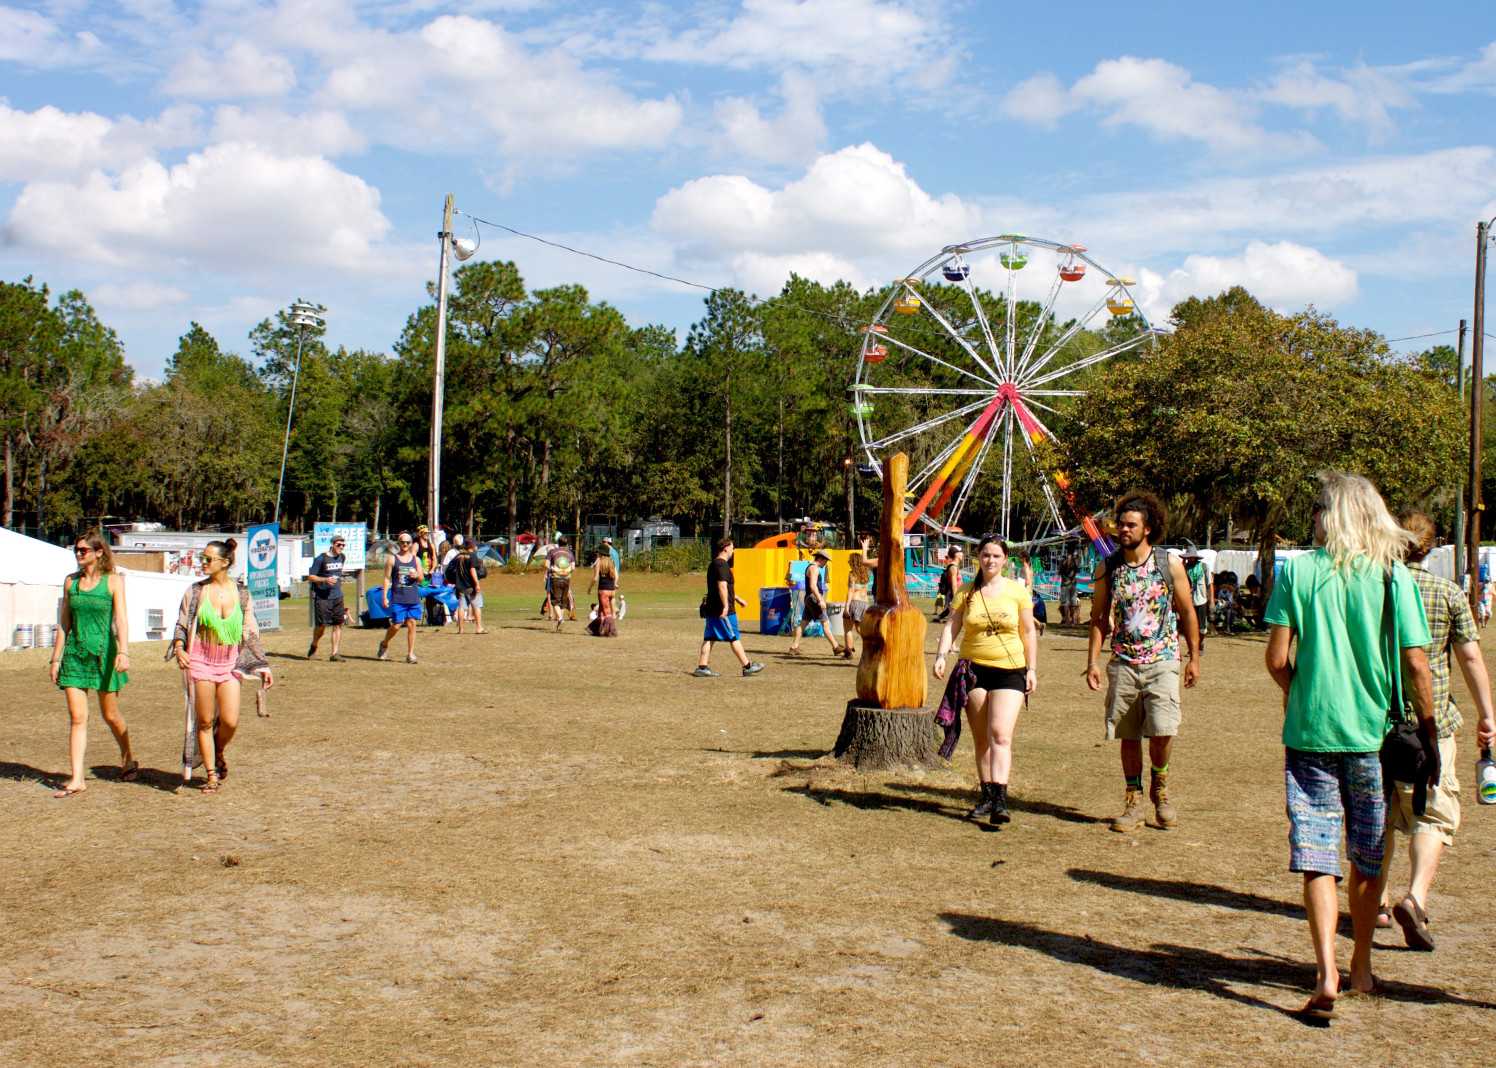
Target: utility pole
(1459, 495)
(1477, 397)
(439, 372)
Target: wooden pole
(1477, 399)
(1459, 496)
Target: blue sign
(261, 566)
(355, 535)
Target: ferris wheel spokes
(1007, 473)
(1032, 366)
(982, 320)
(924, 391)
(956, 336)
(1095, 358)
(971, 476)
(1054, 294)
(933, 359)
(920, 428)
(1049, 497)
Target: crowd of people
(1361, 636)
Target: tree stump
(877, 739)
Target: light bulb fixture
(464, 247)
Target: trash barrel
(773, 609)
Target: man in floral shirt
(1142, 599)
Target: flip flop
(1376, 990)
(67, 792)
(130, 772)
(1318, 1009)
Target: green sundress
(88, 655)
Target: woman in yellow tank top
(994, 617)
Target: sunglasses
(337, 545)
(81, 550)
(404, 541)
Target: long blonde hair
(1359, 530)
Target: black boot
(999, 811)
(984, 806)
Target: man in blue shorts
(403, 572)
(1337, 694)
(719, 610)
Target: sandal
(222, 769)
(210, 786)
(1384, 918)
(68, 791)
(1318, 1009)
(130, 772)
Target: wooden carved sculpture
(886, 724)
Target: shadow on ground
(1179, 967)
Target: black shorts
(330, 611)
(812, 610)
(996, 678)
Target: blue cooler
(773, 609)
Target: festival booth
(31, 578)
(759, 575)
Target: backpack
(450, 571)
(1160, 561)
(438, 613)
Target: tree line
(557, 408)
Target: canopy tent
(31, 577)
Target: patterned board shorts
(1331, 795)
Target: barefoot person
(403, 574)
(1454, 637)
(1337, 691)
(91, 653)
(1142, 599)
(326, 577)
(605, 578)
(719, 608)
(217, 643)
(997, 670)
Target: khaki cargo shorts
(1441, 813)
(1142, 700)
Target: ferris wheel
(952, 378)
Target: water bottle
(1485, 778)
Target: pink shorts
(211, 662)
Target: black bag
(478, 567)
(1406, 757)
(703, 612)
(438, 613)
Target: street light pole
(439, 371)
(1477, 398)
(303, 315)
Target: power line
(1420, 337)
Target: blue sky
(215, 161)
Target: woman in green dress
(90, 654)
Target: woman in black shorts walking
(996, 671)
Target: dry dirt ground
(535, 848)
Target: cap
(607, 541)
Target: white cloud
(858, 200)
(1478, 75)
(791, 137)
(1363, 95)
(1284, 275)
(49, 142)
(243, 70)
(32, 39)
(136, 296)
(847, 44)
(1041, 100)
(324, 132)
(231, 208)
(460, 82)
(1165, 100)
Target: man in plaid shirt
(1455, 636)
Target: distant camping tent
(31, 577)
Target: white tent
(31, 577)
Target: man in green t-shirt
(1337, 696)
